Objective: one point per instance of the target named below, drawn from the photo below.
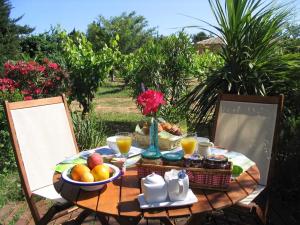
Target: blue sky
(163, 14)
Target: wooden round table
(119, 199)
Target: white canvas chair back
(42, 135)
(247, 124)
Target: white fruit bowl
(91, 186)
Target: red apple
(94, 160)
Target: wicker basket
(163, 143)
(215, 179)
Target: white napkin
(240, 160)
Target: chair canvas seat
(50, 193)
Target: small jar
(216, 162)
(195, 161)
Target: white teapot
(154, 188)
(178, 184)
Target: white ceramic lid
(154, 178)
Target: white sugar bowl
(154, 188)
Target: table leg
(128, 220)
(82, 216)
(102, 219)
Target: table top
(119, 198)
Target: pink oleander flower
(53, 66)
(150, 101)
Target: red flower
(25, 92)
(150, 101)
(53, 66)
(7, 84)
(37, 91)
(28, 98)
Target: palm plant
(250, 31)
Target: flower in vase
(150, 101)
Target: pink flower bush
(7, 84)
(150, 101)
(34, 80)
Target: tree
(131, 29)
(10, 32)
(200, 37)
(88, 68)
(44, 45)
(291, 38)
(165, 64)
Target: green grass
(115, 102)
(113, 90)
(119, 122)
(10, 188)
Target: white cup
(204, 148)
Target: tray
(190, 199)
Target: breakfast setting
(170, 162)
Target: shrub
(206, 62)
(36, 80)
(7, 159)
(251, 33)
(89, 131)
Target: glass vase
(153, 152)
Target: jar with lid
(216, 162)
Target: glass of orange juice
(189, 143)
(124, 142)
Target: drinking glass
(124, 141)
(189, 143)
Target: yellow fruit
(87, 177)
(100, 172)
(78, 170)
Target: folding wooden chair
(250, 125)
(42, 136)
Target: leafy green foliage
(131, 28)
(250, 31)
(291, 38)
(44, 45)
(9, 33)
(89, 131)
(207, 62)
(7, 159)
(165, 64)
(88, 68)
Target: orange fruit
(101, 172)
(78, 170)
(87, 177)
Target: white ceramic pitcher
(204, 148)
(154, 188)
(177, 184)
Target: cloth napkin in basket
(240, 160)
